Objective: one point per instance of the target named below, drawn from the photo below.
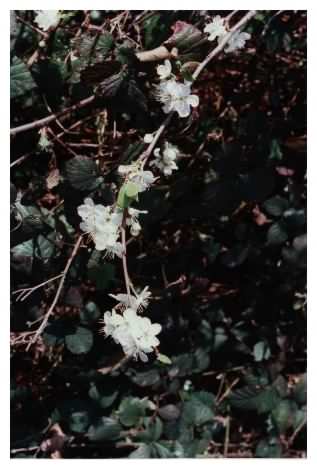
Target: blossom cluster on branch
(136, 334)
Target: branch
(245, 19)
(44, 121)
(124, 254)
(57, 295)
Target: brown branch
(57, 295)
(44, 121)
(124, 254)
(245, 19)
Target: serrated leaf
(21, 80)
(131, 410)
(185, 36)
(80, 342)
(25, 249)
(255, 398)
(82, 173)
(198, 409)
(110, 87)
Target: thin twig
(124, 255)
(44, 121)
(227, 437)
(245, 19)
(24, 293)
(58, 293)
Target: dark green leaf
(82, 173)
(21, 80)
(80, 342)
(106, 429)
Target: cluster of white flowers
(174, 95)
(103, 225)
(133, 173)
(167, 161)
(218, 29)
(47, 19)
(135, 334)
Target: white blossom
(176, 97)
(143, 179)
(132, 221)
(166, 162)
(237, 41)
(47, 19)
(216, 29)
(164, 71)
(138, 302)
(136, 334)
(148, 138)
(103, 225)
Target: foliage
(223, 245)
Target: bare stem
(57, 295)
(44, 121)
(24, 293)
(124, 255)
(245, 19)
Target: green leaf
(80, 342)
(164, 359)
(169, 412)
(79, 421)
(276, 234)
(127, 194)
(199, 409)
(104, 398)
(276, 205)
(269, 448)
(45, 246)
(283, 415)
(131, 410)
(146, 378)
(262, 399)
(153, 430)
(21, 80)
(106, 429)
(25, 249)
(82, 173)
